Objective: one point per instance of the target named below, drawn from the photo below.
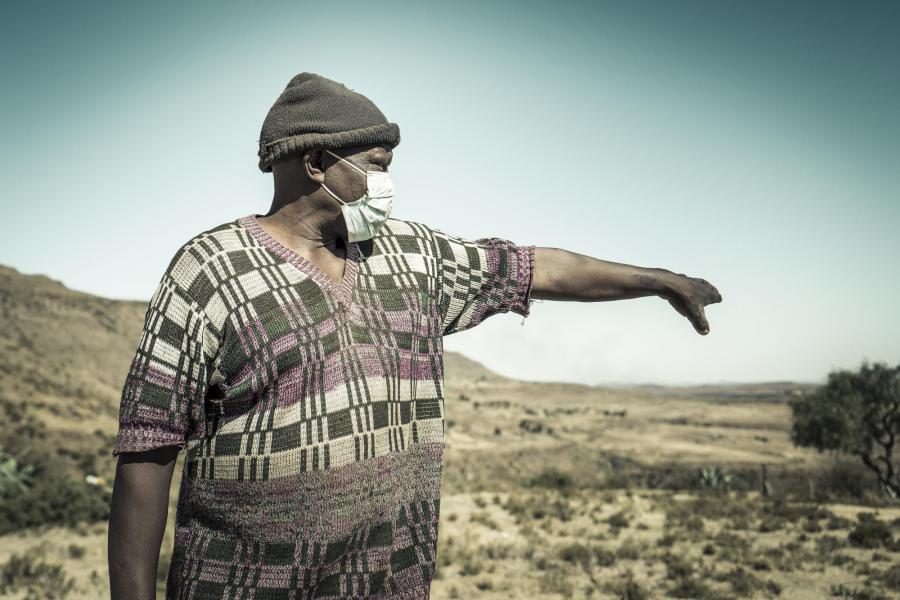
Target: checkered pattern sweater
(311, 412)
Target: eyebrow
(374, 158)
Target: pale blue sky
(755, 145)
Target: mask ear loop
(345, 160)
(327, 189)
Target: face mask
(365, 216)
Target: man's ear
(313, 162)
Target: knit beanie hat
(316, 111)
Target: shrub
(889, 578)
(744, 583)
(629, 551)
(629, 589)
(870, 532)
(848, 593)
(695, 589)
(714, 478)
(618, 520)
(39, 580)
(678, 567)
(14, 473)
(552, 478)
(557, 582)
(811, 526)
(575, 553)
(828, 544)
(836, 522)
(53, 497)
(732, 547)
(771, 523)
(499, 551)
(845, 479)
(483, 517)
(604, 557)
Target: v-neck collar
(342, 289)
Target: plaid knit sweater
(311, 412)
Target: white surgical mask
(365, 216)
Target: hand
(688, 295)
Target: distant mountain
(65, 355)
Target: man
(297, 358)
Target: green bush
(51, 498)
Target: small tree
(857, 413)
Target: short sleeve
(481, 278)
(166, 385)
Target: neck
(308, 222)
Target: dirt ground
(595, 534)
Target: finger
(700, 323)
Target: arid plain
(550, 490)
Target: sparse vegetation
(848, 593)
(870, 532)
(52, 496)
(38, 580)
(629, 589)
(714, 478)
(541, 497)
(745, 584)
(553, 479)
(556, 582)
(618, 520)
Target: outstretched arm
(564, 275)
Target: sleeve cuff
(524, 275)
(140, 440)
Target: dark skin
(137, 521)
(307, 219)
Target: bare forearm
(137, 522)
(564, 275)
